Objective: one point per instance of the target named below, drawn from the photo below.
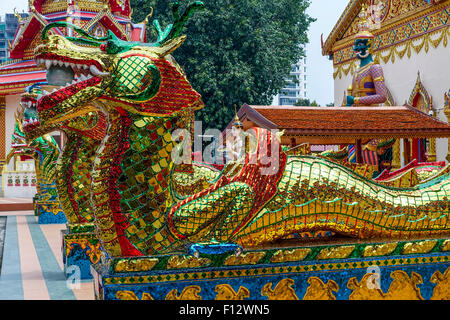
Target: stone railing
(18, 184)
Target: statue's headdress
(364, 25)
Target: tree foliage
(236, 51)
(306, 103)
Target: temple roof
(15, 76)
(349, 122)
(121, 7)
(349, 16)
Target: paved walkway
(32, 267)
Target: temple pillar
(2, 142)
(447, 113)
(396, 161)
(358, 151)
(2, 132)
(406, 151)
(431, 152)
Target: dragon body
(147, 100)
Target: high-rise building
(294, 89)
(8, 28)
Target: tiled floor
(32, 265)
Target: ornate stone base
(49, 212)
(383, 270)
(80, 249)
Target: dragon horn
(174, 30)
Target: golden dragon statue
(269, 195)
(72, 167)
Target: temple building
(21, 71)
(411, 44)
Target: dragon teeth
(97, 72)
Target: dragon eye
(137, 78)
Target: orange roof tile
(396, 122)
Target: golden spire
(237, 122)
(364, 24)
(17, 15)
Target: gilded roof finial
(17, 15)
(237, 122)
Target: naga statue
(45, 151)
(83, 135)
(147, 101)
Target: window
(291, 85)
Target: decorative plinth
(396, 270)
(80, 249)
(49, 212)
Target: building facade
(294, 90)
(8, 28)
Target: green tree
(306, 103)
(302, 103)
(236, 51)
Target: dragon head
(140, 78)
(30, 125)
(32, 128)
(22, 146)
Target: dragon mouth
(66, 77)
(29, 124)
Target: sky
(320, 69)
